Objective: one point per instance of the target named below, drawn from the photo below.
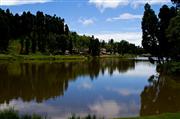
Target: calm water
(108, 88)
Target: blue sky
(106, 19)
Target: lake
(104, 87)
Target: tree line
(122, 47)
(50, 35)
(161, 34)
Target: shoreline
(9, 57)
(161, 116)
(4, 57)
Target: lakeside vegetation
(41, 57)
(161, 32)
(162, 116)
(169, 68)
(49, 38)
(49, 35)
(12, 114)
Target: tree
(27, 43)
(66, 29)
(150, 31)
(173, 36)
(123, 47)
(61, 43)
(103, 43)
(111, 43)
(4, 31)
(94, 46)
(40, 29)
(165, 15)
(177, 2)
(70, 44)
(22, 46)
(52, 43)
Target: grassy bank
(169, 68)
(12, 114)
(41, 57)
(118, 56)
(162, 116)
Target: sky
(105, 19)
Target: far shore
(34, 57)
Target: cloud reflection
(123, 91)
(85, 85)
(113, 109)
(106, 108)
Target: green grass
(41, 57)
(162, 116)
(118, 56)
(12, 114)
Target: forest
(161, 36)
(49, 35)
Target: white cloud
(125, 16)
(104, 4)
(86, 22)
(136, 3)
(21, 2)
(132, 37)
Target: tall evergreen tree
(150, 31)
(165, 16)
(173, 36)
(4, 31)
(94, 46)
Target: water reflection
(106, 87)
(162, 95)
(41, 81)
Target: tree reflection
(161, 95)
(41, 81)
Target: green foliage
(170, 68)
(14, 47)
(162, 116)
(12, 114)
(177, 2)
(94, 47)
(4, 30)
(173, 35)
(50, 35)
(86, 117)
(150, 30)
(165, 15)
(155, 39)
(27, 43)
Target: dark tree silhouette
(4, 30)
(173, 36)
(177, 2)
(49, 35)
(165, 15)
(150, 31)
(94, 46)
